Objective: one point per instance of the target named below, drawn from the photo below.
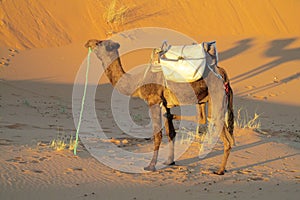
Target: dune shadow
(278, 49)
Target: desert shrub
(243, 120)
(63, 142)
(115, 15)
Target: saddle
(185, 63)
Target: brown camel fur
(161, 98)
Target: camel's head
(102, 46)
(211, 50)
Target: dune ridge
(56, 23)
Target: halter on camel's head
(109, 44)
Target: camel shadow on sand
(214, 153)
(238, 48)
(278, 49)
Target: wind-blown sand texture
(41, 49)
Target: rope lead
(83, 99)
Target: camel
(161, 99)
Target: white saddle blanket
(183, 63)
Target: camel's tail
(230, 115)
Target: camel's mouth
(92, 43)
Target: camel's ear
(212, 50)
(205, 46)
(116, 45)
(209, 49)
(112, 46)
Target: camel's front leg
(155, 111)
(171, 133)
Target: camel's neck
(124, 83)
(114, 71)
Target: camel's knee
(157, 140)
(169, 127)
(227, 148)
(227, 143)
(158, 136)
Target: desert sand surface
(42, 49)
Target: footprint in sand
(17, 160)
(27, 171)
(74, 169)
(6, 61)
(37, 171)
(3, 63)
(246, 171)
(34, 161)
(206, 172)
(260, 97)
(257, 178)
(5, 142)
(250, 87)
(13, 50)
(43, 158)
(273, 95)
(23, 162)
(20, 160)
(15, 126)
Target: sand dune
(41, 50)
(58, 23)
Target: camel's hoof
(169, 163)
(150, 168)
(219, 172)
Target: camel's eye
(109, 48)
(99, 42)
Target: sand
(258, 44)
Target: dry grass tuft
(243, 120)
(115, 15)
(63, 142)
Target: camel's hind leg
(171, 133)
(227, 148)
(155, 111)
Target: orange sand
(41, 49)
